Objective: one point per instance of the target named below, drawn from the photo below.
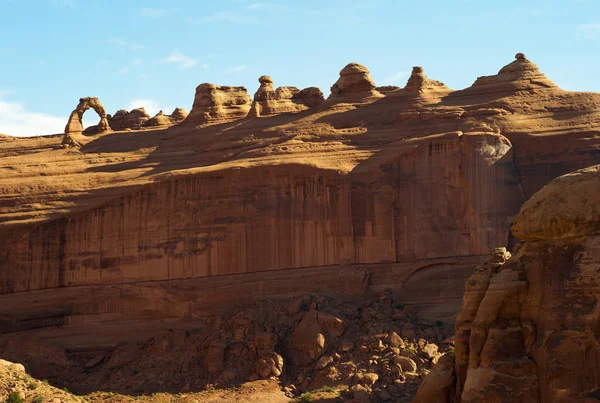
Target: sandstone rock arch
(75, 124)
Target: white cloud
(151, 106)
(151, 12)
(228, 16)
(124, 44)
(234, 69)
(131, 65)
(16, 120)
(590, 30)
(394, 78)
(178, 58)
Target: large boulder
(307, 342)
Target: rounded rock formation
(179, 115)
(214, 103)
(355, 81)
(160, 119)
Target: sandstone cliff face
(420, 182)
(528, 329)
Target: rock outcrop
(528, 328)
(75, 123)
(178, 115)
(271, 101)
(133, 120)
(520, 75)
(140, 230)
(419, 83)
(355, 82)
(217, 103)
(159, 120)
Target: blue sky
(154, 53)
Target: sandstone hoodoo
(271, 101)
(326, 243)
(419, 83)
(217, 103)
(354, 82)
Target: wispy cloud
(130, 66)
(124, 44)
(151, 106)
(181, 60)
(269, 7)
(394, 78)
(229, 16)
(235, 69)
(17, 120)
(590, 30)
(152, 12)
(4, 92)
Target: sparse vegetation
(32, 385)
(306, 397)
(14, 397)
(38, 399)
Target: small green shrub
(14, 397)
(32, 385)
(38, 399)
(306, 397)
(45, 382)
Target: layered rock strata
(364, 187)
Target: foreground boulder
(528, 329)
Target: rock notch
(217, 103)
(355, 82)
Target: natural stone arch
(75, 123)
